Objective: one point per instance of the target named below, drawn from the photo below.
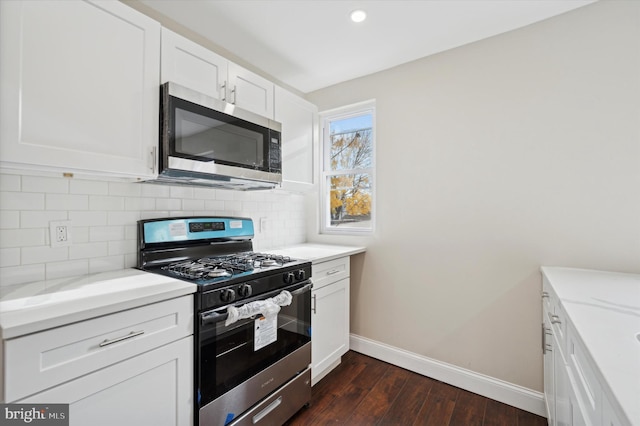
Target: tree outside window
(348, 171)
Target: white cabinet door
(562, 387)
(250, 91)
(79, 87)
(299, 127)
(549, 385)
(154, 388)
(192, 65)
(330, 326)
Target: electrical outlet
(263, 224)
(60, 233)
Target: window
(348, 176)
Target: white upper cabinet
(299, 126)
(79, 87)
(198, 68)
(191, 65)
(250, 91)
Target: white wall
(493, 159)
(104, 216)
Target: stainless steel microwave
(208, 142)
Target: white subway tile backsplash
(139, 203)
(204, 193)
(234, 206)
(168, 204)
(122, 247)
(131, 260)
(45, 184)
(13, 275)
(122, 218)
(181, 192)
(214, 205)
(106, 202)
(88, 218)
(44, 254)
(70, 268)
(9, 219)
(88, 187)
(193, 205)
(152, 190)
(21, 201)
(106, 233)
(67, 201)
(131, 232)
(105, 264)
(9, 257)
(41, 219)
(80, 234)
(153, 214)
(22, 237)
(125, 189)
(88, 250)
(104, 219)
(225, 195)
(10, 182)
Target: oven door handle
(213, 317)
(302, 289)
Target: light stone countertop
(38, 306)
(604, 308)
(317, 253)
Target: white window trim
(338, 114)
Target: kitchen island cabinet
(330, 300)
(79, 88)
(591, 353)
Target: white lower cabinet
(133, 367)
(562, 391)
(154, 388)
(330, 316)
(573, 394)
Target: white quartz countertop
(317, 253)
(42, 305)
(604, 308)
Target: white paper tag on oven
(265, 331)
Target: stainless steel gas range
(252, 317)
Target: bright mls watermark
(34, 414)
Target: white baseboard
(499, 390)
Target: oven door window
(206, 135)
(229, 355)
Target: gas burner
(217, 273)
(268, 262)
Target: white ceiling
(311, 44)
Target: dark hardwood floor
(365, 391)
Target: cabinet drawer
(41, 360)
(329, 272)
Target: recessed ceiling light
(358, 15)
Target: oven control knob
(289, 278)
(300, 274)
(244, 290)
(227, 295)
